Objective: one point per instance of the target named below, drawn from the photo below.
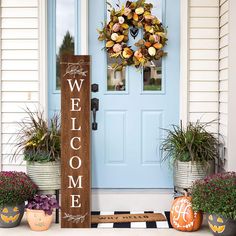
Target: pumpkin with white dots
(182, 216)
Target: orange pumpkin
(182, 216)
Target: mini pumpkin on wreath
(133, 16)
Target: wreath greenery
(115, 33)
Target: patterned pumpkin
(182, 216)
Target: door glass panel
(116, 79)
(64, 32)
(152, 77)
(152, 71)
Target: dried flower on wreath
(116, 35)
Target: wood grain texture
(81, 64)
(120, 218)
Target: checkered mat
(140, 225)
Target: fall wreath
(133, 16)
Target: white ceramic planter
(185, 173)
(46, 175)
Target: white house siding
(204, 61)
(19, 71)
(224, 70)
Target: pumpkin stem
(186, 192)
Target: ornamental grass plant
(15, 188)
(193, 143)
(216, 195)
(39, 139)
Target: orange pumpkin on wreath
(182, 216)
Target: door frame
(43, 62)
(99, 196)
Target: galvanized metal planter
(46, 175)
(185, 173)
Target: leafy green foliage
(192, 143)
(38, 139)
(15, 188)
(216, 195)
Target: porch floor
(55, 229)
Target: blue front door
(134, 106)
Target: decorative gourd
(182, 216)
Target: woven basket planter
(185, 173)
(46, 175)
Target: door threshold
(132, 199)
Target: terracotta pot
(38, 220)
(10, 216)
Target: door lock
(94, 109)
(94, 88)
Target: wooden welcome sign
(75, 142)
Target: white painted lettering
(73, 119)
(75, 104)
(75, 183)
(78, 160)
(72, 145)
(75, 84)
(75, 201)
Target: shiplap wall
(224, 70)
(19, 71)
(204, 61)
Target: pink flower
(156, 38)
(127, 11)
(138, 54)
(116, 27)
(117, 48)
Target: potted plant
(192, 152)
(15, 189)
(39, 212)
(39, 140)
(216, 196)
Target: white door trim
(132, 199)
(84, 11)
(184, 61)
(1, 89)
(43, 62)
(231, 160)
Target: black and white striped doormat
(134, 225)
